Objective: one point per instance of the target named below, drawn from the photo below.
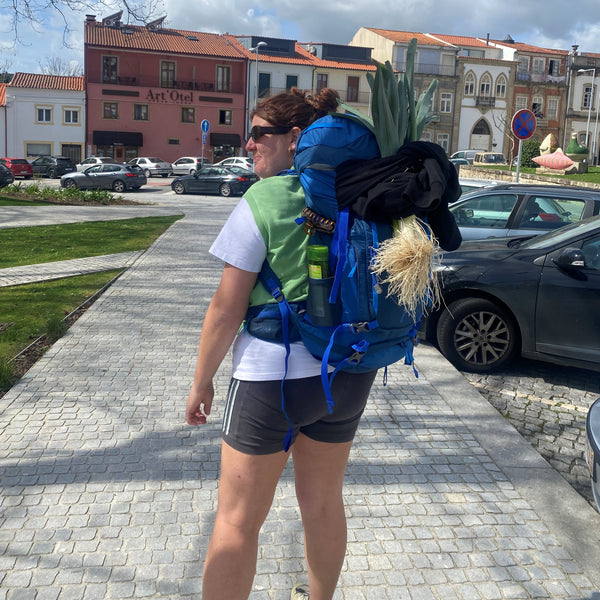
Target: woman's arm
(223, 318)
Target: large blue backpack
(364, 329)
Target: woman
(252, 458)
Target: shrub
(7, 375)
(529, 150)
(55, 328)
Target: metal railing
(485, 101)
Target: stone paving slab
(105, 492)
(66, 268)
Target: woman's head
(277, 122)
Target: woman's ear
(295, 132)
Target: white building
(43, 115)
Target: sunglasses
(258, 131)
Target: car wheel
(178, 187)
(164, 175)
(51, 173)
(69, 184)
(192, 171)
(119, 186)
(147, 173)
(476, 335)
(225, 189)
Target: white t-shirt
(241, 245)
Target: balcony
(540, 77)
(429, 69)
(485, 101)
(155, 82)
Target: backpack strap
(338, 250)
(272, 284)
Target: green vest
(275, 203)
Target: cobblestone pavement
(547, 404)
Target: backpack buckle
(356, 357)
(360, 327)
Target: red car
(19, 167)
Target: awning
(117, 138)
(225, 139)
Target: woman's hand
(199, 404)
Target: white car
(238, 161)
(152, 165)
(188, 165)
(96, 160)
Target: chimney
(90, 18)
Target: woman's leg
(246, 490)
(319, 472)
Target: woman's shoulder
(278, 184)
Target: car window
(94, 169)
(549, 212)
(110, 168)
(491, 211)
(591, 252)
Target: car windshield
(559, 236)
(64, 161)
(154, 159)
(19, 161)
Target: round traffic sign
(205, 125)
(523, 124)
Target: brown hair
(296, 108)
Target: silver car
(118, 178)
(151, 165)
(188, 165)
(95, 160)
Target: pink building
(150, 89)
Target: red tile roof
(176, 41)
(47, 82)
(2, 94)
(521, 47)
(458, 40)
(403, 37)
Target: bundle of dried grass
(405, 262)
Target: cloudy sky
(552, 24)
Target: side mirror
(570, 258)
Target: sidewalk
(106, 493)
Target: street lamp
(591, 101)
(255, 49)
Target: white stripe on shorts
(229, 406)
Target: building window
(587, 96)
(291, 81)
(43, 114)
(225, 117)
(264, 84)
(71, 116)
(523, 66)
(426, 136)
(110, 110)
(470, 84)
(321, 81)
(485, 85)
(352, 91)
(140, 112)
(223, 79)
(188, 114)
(537, 106)
(110, 69)
(443, 139)
(552, 109)
(167, 74)
(554, 67)
(445, 102)
(538, 65)
(501, 87)
(520, 102)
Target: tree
(32, 12)
(58, 66)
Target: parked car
(470, 185)
(593, 454)
(522, 209)
(6, 175)
(96, 160)
(489, 158)
(52, 166)
(214, 180)
(537, 297)
(20, 167)
(152, 165)
(115, 177)
(188, 165)
(468, 155)
(238, 161)
(459, 161)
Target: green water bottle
(318, 262)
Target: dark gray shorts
(254, 422)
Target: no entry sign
(523, 124)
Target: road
(547, 404)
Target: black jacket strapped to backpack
(418, 180)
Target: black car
(6, 175)
(115, 177)
(516, 209)
(215, 180)
(52, 166)
(537, 297)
